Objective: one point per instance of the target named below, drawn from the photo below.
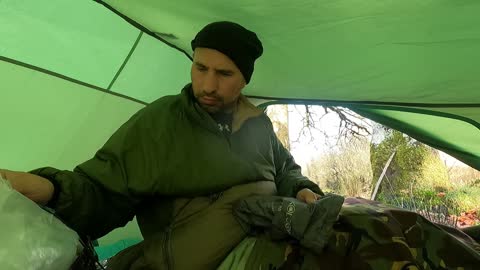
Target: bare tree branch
(310, 121)
(350, 126)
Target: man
(178, 165)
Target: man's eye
(225, 73)
(201, 68)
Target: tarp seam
(125, 61)
(141, 27)
(63, 77)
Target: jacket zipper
(227, 137)
(167, 249)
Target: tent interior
(73, 71)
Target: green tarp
(72, 71)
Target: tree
(415, 174)
(434, 173)
(463, 175)
(346, 169)
(406, 165)
(278, 114)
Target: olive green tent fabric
(390, 51)
(49, 121)
(452, 133)
(77, 69)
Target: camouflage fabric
(370, 235)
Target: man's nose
(210, 83)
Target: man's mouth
(208, 100)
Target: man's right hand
(34, 187)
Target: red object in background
(441, 194)
(467, 219)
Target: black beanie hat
(242, 46)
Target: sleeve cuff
(310, 185)
(50, 174)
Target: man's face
(216, 80)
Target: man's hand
(307, 196)
(34, 187)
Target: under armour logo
(224, 127)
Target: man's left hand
(307, 196)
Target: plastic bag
(32, 238)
